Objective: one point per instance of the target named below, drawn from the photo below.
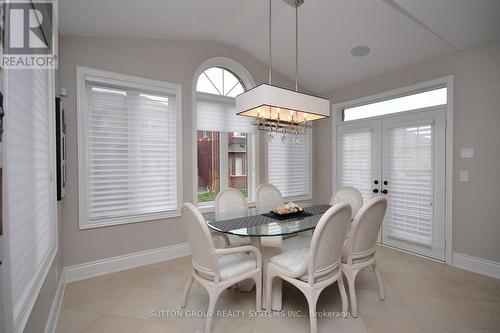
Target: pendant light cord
(296, 45)
(270, 49)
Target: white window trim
(128, 81)
(35, 285)
(252, 149)
(445, 81)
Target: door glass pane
(406, 103)
(355, 161)
(410, 173)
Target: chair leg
(186, 291)
(380, 282)
(312, 299)
(343, 294)
(269, 290)
(213, 296)
(351, 278)
(258, 292)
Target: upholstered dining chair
(359, 248)
(313, 269)
(350, 195)
(231, 203)
(217, 269)
(267, 198)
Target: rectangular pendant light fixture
(270, 102)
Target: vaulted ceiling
(398, 32)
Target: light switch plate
(464, 176)
(467, 153)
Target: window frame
(131, 82)
(253, 171)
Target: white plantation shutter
(29, 198)
(289, 166)
(411, 183)
(355, 161)
(131, 156)
(218, 114)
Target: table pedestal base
(267, 254)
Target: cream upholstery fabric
(292, 260)
(348, 194)
(267, 198)
(235, 264)
(230, 203)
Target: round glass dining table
(256, 226)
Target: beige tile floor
(421, 296)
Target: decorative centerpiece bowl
(289, 208)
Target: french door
(401, 157)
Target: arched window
(219, 81)
(224, 140)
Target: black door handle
(385, 191)
(375, 182)
(375, 190)
(386, 182)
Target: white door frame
(446, 81)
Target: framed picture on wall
(60, 149)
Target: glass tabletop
(253, 224)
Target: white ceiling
(398, 32)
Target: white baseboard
(477, 265)
(55, 309)
(120, 263)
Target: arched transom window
(219, 81)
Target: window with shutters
(355, 161)
(129, 148)
(411, 189)
(289, 167)
(30, 216)
(224, 140)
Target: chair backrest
(350, 195)
(200, 241)
(267, 198)
(327, 241)
(365, 229)
(230, 203)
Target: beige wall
(173, 61)
(476, 212)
